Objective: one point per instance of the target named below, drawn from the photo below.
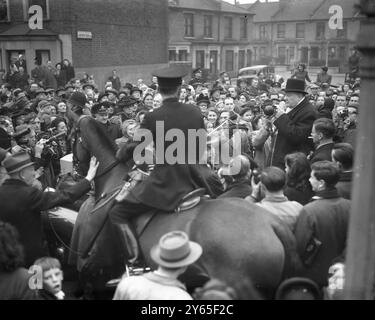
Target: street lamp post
(360, 259)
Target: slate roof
(209, 5)
(297, 10)
(263, 11)
(347, 6)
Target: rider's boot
(130, 244)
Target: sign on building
(84, 35)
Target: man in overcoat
(294, 126)
(322, 226)
(22, 204)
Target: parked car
(249, 73)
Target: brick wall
(125, 32)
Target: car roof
(257, 67)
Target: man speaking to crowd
(294, 126)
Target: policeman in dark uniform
(167, 184)
(100, 113)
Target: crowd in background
(33, 117)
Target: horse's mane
(102, 136)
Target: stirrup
(130, 271)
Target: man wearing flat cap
(167, 184)
(294, 126)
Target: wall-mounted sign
(84, 35)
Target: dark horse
(241, 241)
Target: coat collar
(325, 146)
(170, 100)
(346, 176)
(326, 194)
(304, 102)
(14, 182)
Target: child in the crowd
(52, 279)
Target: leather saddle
(189, 201)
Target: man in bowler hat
(294, 126)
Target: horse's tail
(292, 263)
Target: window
(228, 27)
(255, 52)
(178, 55)
(332, 53)
(281, 31)
(229, 60)
(262, 52)
(172, 55)
(342, 53)
(241, 59)
(320, 30)
(314, 53)
(44, 4)
(300, 30)
(262, 32)
(243, 28)
(4, 10)
(182, 55)
(249, 58)
(189, 24)
(342, 33)
(199, 61)
(43, 56)
(282, 54)
(291, 53)
(208, 26)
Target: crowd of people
(296, 161)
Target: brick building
(210, 34)
(297, 30)
(96, 35)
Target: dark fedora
(102, 95)
(203, 99)
(174, 250)
(135, 89)
(127, 102)
(88, 85)
(295, 85)
(16, 162)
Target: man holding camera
(294, 125)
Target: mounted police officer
(167, 184)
